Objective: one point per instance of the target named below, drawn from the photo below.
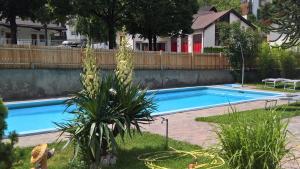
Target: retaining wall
(18, 84)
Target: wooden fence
(57, 57)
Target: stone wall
(18, 84)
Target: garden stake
(167, 131)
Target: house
(33, 33)
(254, 7)
(205, 33)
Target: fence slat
(16, 56)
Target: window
(138, 46)
(7, 37)
(161, 46)
(173, 44)
(73, 33)
(34, 39)
(197, 43)
(42, 38)
(184, 44)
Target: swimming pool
(39, 116)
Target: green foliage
(235, 37)
(92, 28)
(160, 18)
(213, 50)
(288, 63)
(267, 63)
(259, 143)
(221, 5)
(282, 16)
(116, 110)
(111, 15)
(6, 149)
(11, 9)
(89, 77)
(124, 70)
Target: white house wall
(24, 35)
(234, 18)
(72, 35)
(209, 36)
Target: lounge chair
(292, 83)
(291, 97)
(273, 81)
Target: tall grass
(259, 143)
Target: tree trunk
(154, 43)
(111, 36)
(150, 42)
(46, 34)
(13, 29)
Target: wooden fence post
(161, 56)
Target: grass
(279, 88)
(286, 111)
(128, 153)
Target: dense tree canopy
(11, 9)
(160, 18)
(283, 16)
(221, 5)
(91, 27)
(109, 12)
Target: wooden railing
(60, 57)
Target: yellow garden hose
(150, 159)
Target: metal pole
(167, 131)
(243, 66)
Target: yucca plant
(258, 144)
(114, 111)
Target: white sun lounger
(273, 81)
(292, 83)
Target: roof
(33, 25)
(205, 19)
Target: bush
(257, 144)
(6, 149)
(266, 62)
(287, 63)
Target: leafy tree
(266, 61)
(6, 149)
(151, 19)
(110, 13)
(234, 37)
(11, 9)
(92, 28)
(282, 16)
(221, 5)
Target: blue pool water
(39, 116)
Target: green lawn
(286, 112)
(128, 153)
(279, 88)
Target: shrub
(257, 144)
(6, 149)
(266, 62)
(288, 64)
